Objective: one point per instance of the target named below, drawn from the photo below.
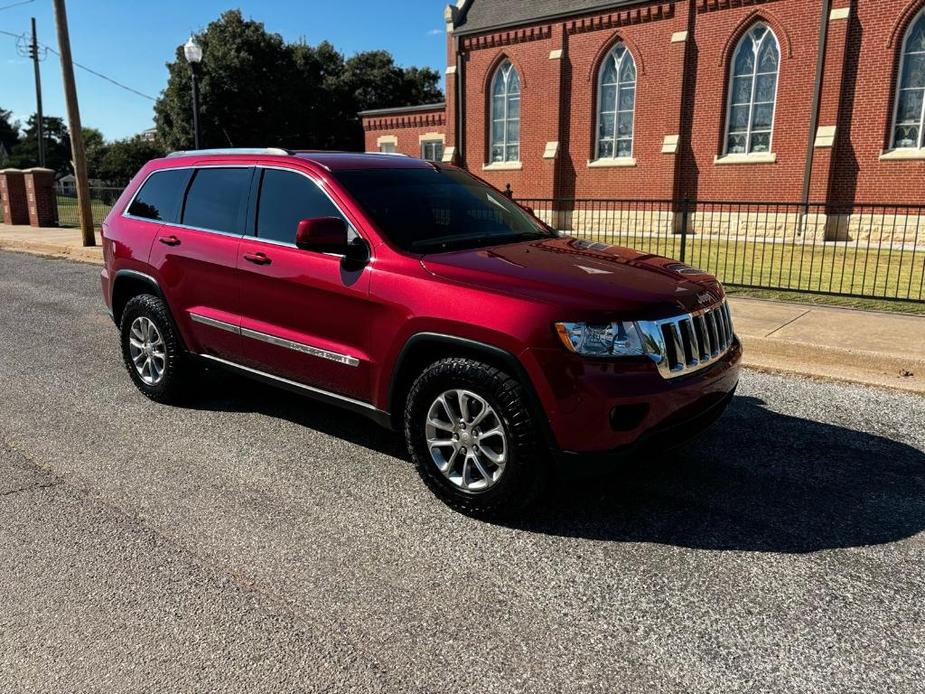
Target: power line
(108, 79)
(17, 4)
(88, 69)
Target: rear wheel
(473, 439)
(151, 350)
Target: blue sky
(131, 41)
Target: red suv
(419, 296)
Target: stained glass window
(753, 92)
(505, 114)
(616, 104)
(909, 128)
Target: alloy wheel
(147, 350)
(466, 440)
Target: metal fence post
(684, 218)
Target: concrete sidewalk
(880, 349)
(59, 243)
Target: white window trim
(748, 136)
(903, 154)
(505, 144)
(899, 81)
(612, 163)
(750, 158)
(597, 118)
(503, 166)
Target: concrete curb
(92, 255)
(894, 372)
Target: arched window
(753, 92)
(616, 102)
(505, 114)
(909, 123)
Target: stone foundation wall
(896, 229)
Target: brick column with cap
(13, 194)
(40, 193)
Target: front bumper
(603, 408)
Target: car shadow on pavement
(757, 481)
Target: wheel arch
(128, 284)
(423, 349)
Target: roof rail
(277, 151)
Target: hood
(583, 274)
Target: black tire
(527, 467)
(172, 386)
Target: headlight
(620, 339)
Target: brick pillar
(13, 193)
(40, 193)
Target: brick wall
(682, 50)
(406, 129)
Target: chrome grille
(688, 343)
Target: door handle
(169, 240)
(257, 258)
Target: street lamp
(193, 53)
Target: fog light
(628, 417)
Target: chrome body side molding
(311, 350)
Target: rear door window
(161, 196)
(286, 198)
(217, 199)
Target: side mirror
(322, 235)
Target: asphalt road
(255, 541)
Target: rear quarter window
(161, 196)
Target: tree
(57, 146)
(124, 158)
(374, 81)
(246, 88)
(257, 90)
(9, 130)
(96, 147)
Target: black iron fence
(865, 251)
(101, 201)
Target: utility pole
(73, 118)
(39, 124)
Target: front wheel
(473, 438)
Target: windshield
(434, 209)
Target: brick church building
(754, 100)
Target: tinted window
(286, 198)
(161, 196)
(434, 209)
(217, 200)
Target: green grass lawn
(794, 269)
(68, 215)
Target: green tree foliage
(95, 147)
(257, 90)
(123, 159)
(9, 130)
(57, 146)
